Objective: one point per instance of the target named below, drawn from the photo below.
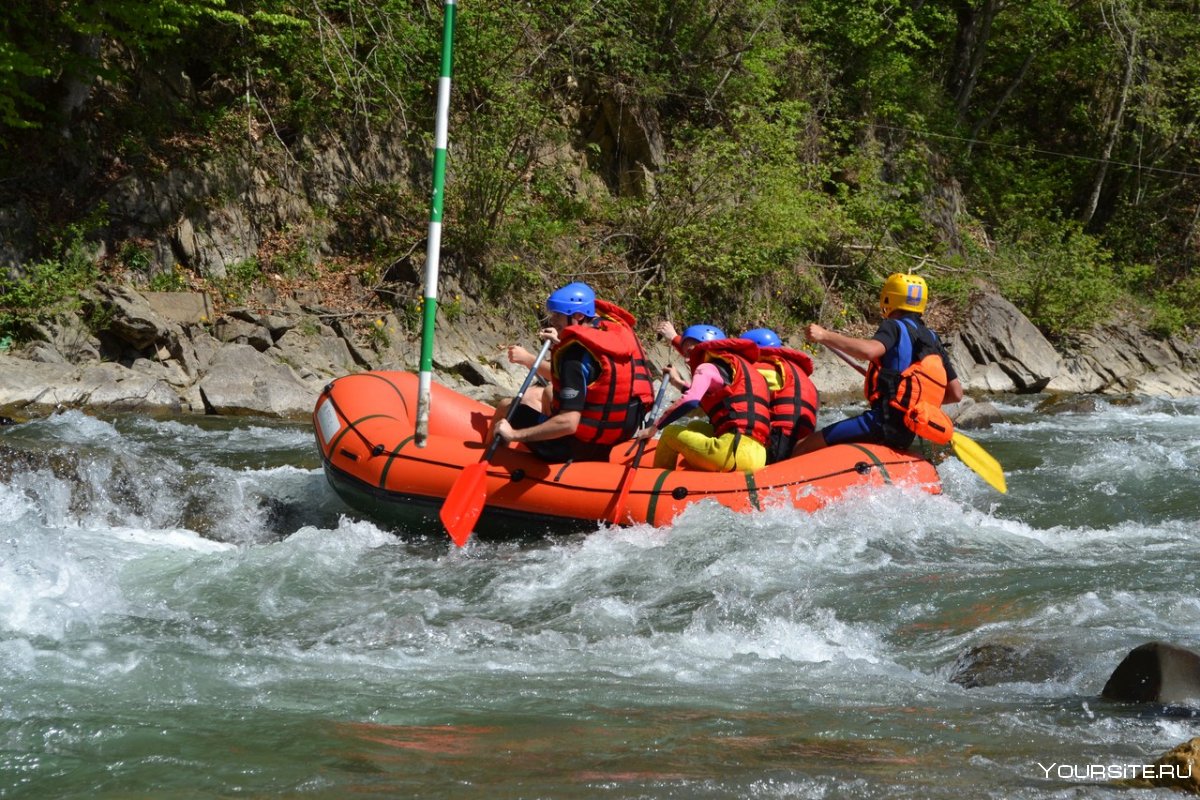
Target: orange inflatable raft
(364, 426)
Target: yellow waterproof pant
(703, 451)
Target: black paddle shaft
(512, 407)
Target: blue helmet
(763, 337)
(574, 298)
(703, 333)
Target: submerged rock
(1069, 404)
(996, 662)
(971, 415)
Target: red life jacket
(912, 380)
(794, 404)
(643, 381)
(743, 404)
(606, 405)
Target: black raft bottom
(417, 515)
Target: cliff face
(170, 353)
(314, 249)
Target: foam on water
(158, 565)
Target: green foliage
(452, 307)
(880, 51)
(511, 277)
(1061, 277)
(18, 67)
(509, 132)
(378, 335)
(44, 43)
(47, 287)
(135, 257)
(803, 145)
(736, 218)
(172, 280)
(1175, 310)
(340, 60)
(412, 314)
(239, 279)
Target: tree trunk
(970, 47)
(1043, 41)
(76, 88)
(1130, 48)
(986, 122)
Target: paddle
(466, 498)
(979, 460)
(967, 449)
(622, 495)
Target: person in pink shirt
(734, 395)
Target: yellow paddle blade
(979, 460)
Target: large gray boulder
(63, 338)
(1119, 360)
(111, 387)
(970, 415)
(317, 355)
(242, 381)
(131, 318)
(35, 383)
(184, 308)
(998, 349)
(102, 385)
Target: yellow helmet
(903, 292)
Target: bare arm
(519, 355)
(862, 349)
(673, 376)
(954, 391)
(562, 424)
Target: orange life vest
(643, 381)
(606, 405)
(794, 404)
(743, 404)
(912, 380)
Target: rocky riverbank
(170, 353)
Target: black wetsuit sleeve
(574, 368)
(888, 334)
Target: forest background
(758, 162)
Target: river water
(187, 610)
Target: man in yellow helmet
(909, 377)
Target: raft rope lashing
(882, 469)
(373, 448)
(652, 507)
(392, 456)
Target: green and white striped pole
(434, 247)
